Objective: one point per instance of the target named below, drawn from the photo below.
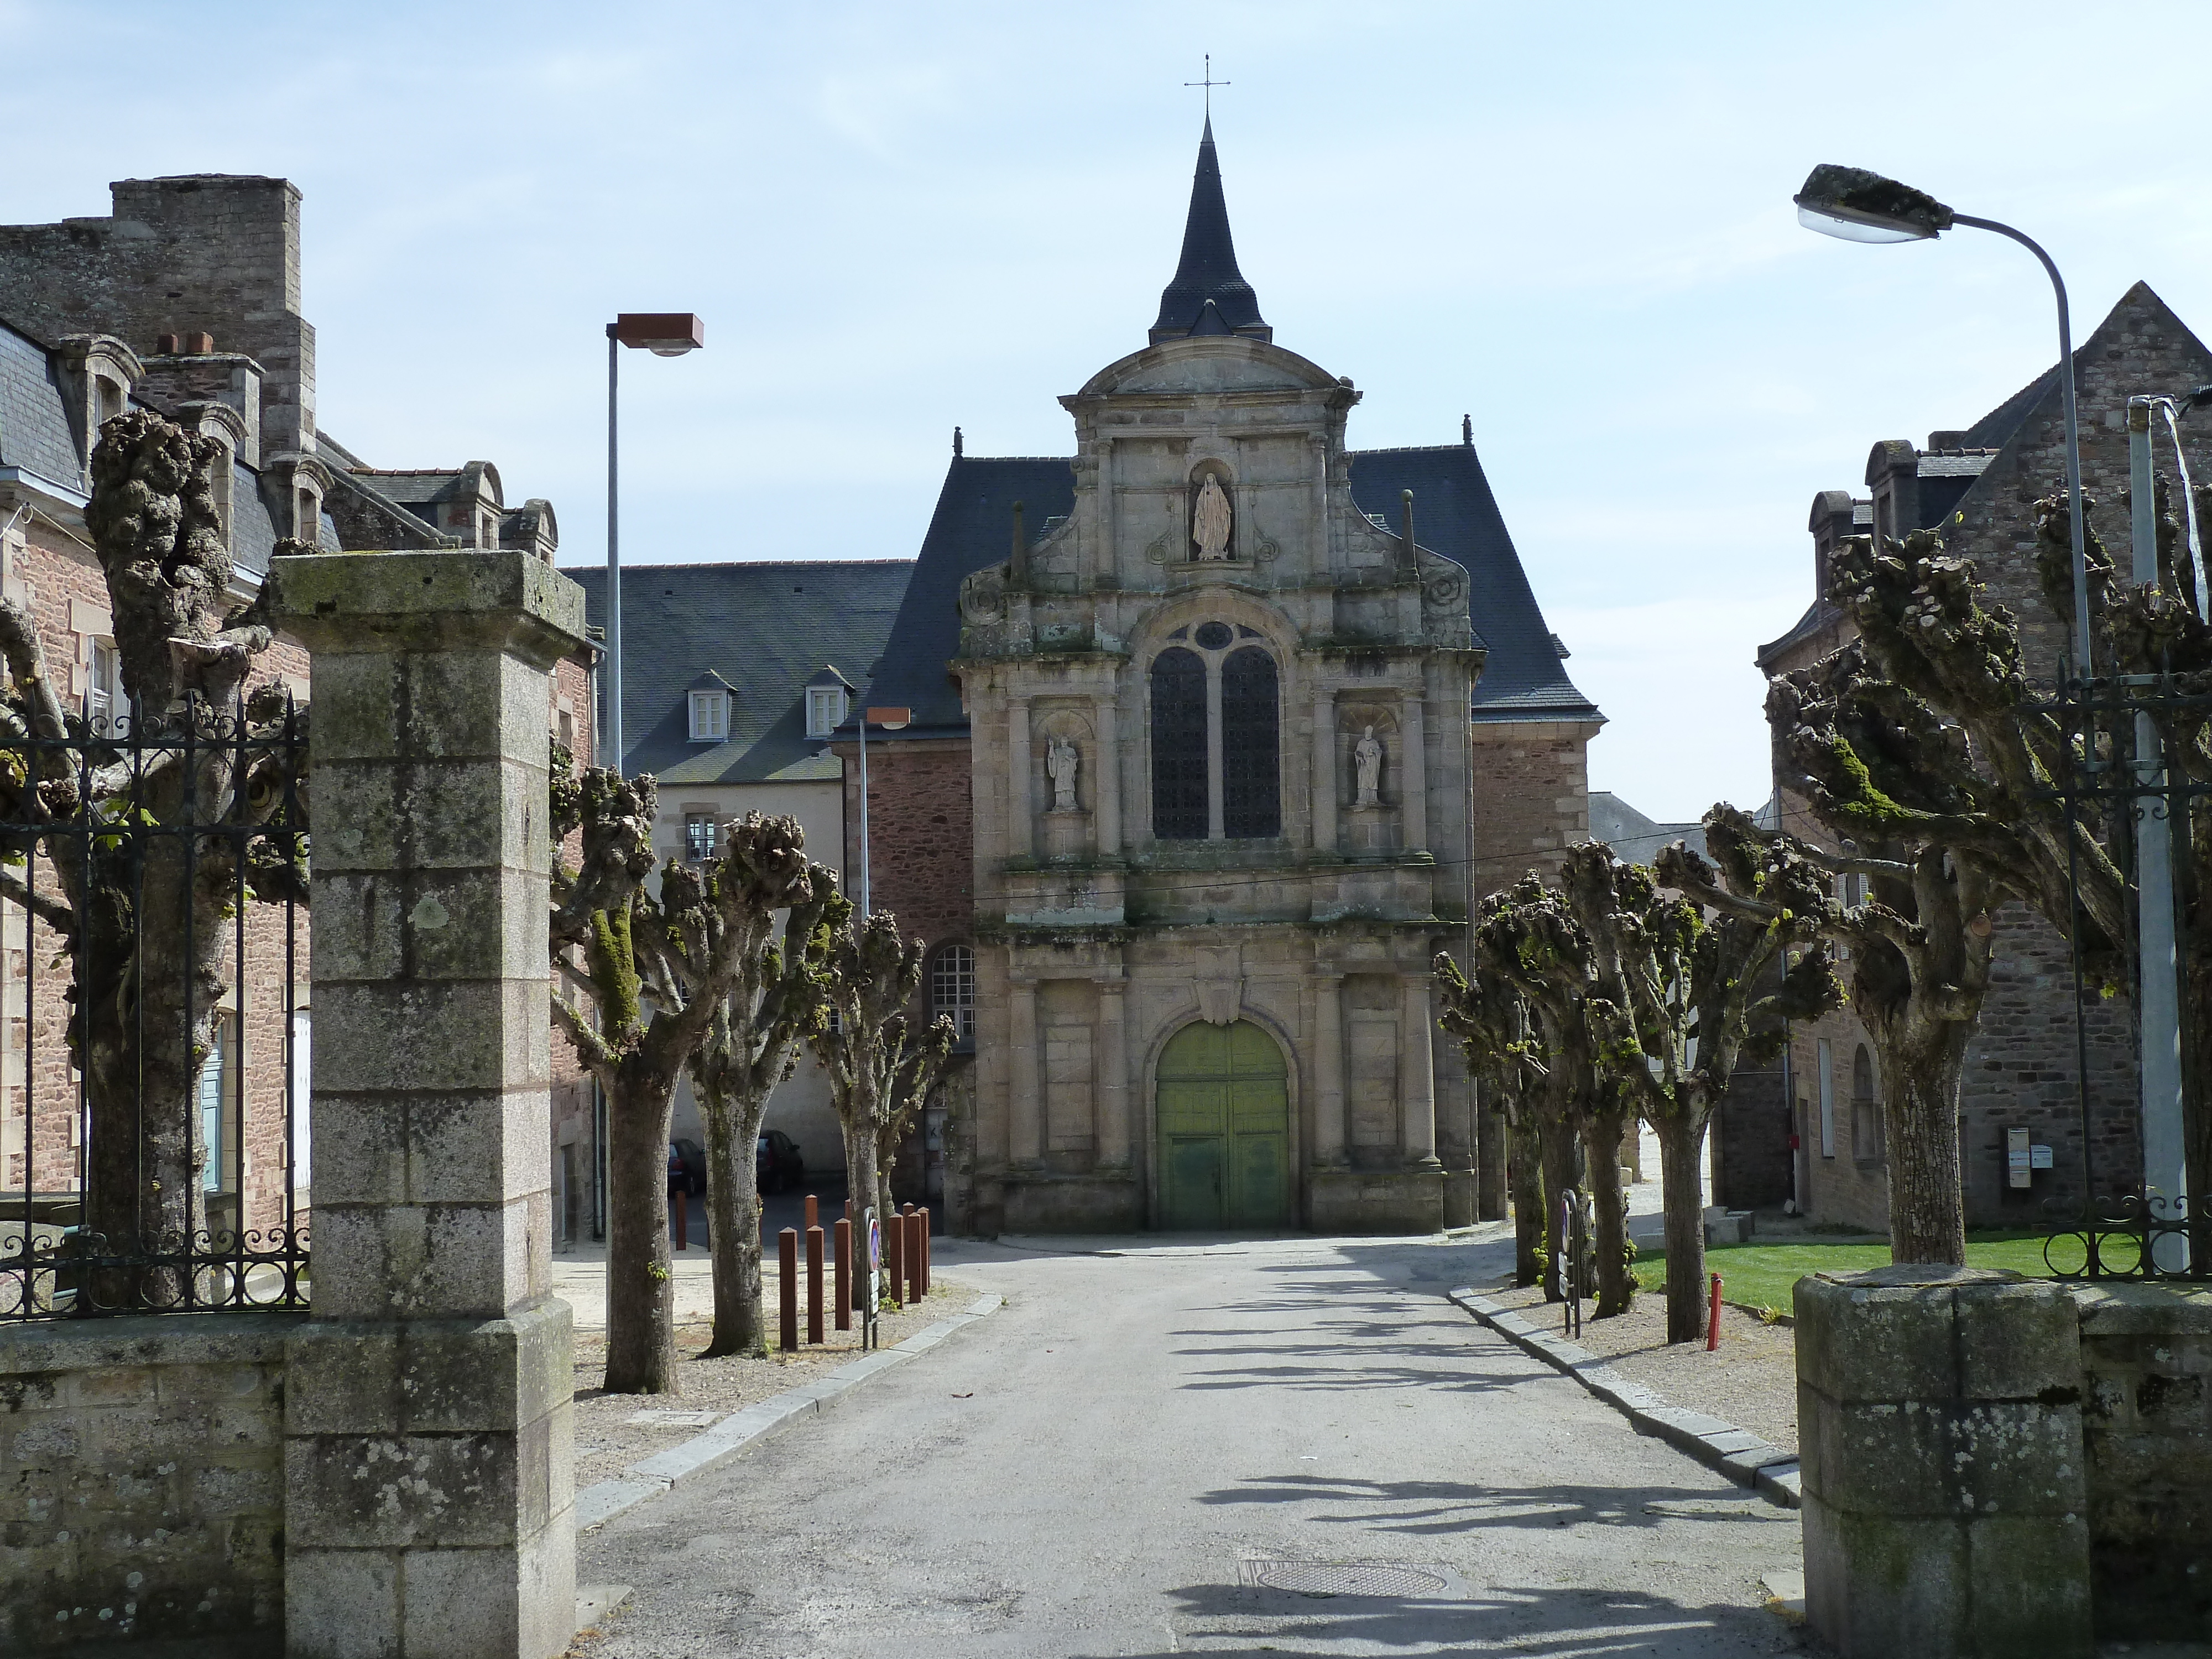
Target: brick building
(186, 300)
(1976, 485)
(1214, 742)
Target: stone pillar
(1413, 775)
(1116, 1149)
(1328, 1070)
(1417, 1071)
(1025, 1111)
(1106, 786)
(1324, 770)
(1946, 1512)
(429, 1478)
(1019, 815)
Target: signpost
(872, 1280)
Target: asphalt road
(1095, 1468)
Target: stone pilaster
(1026, 1115)
(1417, 1067)
(429, 1487)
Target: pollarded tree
(1529, 938)
(1682, 1003)
(880, 1069)
(657, 968)
(1490, 1019)
(752, 1044)
(145, 915)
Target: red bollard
(916, 1225)
(844, 1274)
(1713, 1318)
(679, 1202)
(925, 1252)
(813, 1216)
(787, 1262)
(813, 1281)
(894, 1255)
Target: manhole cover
(1342, 1578)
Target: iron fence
(152, 1029)
(2108, 789)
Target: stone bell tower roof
(1209, 294)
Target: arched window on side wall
(1179, 804)
(953, 989)
(1866, 1111)
(1251, 801)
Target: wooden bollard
(813, 1281)
(813, 1216)
(925, 1251)
(894, 1255)
(787, 1262)
(842, 1279)
(917, 1228)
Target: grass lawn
(1763, 1275)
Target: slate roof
(1454, 513)
(1635, 838)
(767, 628)
(1209, 294)
(34, 425)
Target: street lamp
(1854, 205)
(665, 334)
(891, 720)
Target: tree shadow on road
(1446, 1506)
(1232, 1622)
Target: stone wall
(2146, 1421)
(1531, 783)
(142, 1482)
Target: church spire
(1209, 294)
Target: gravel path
(1751, 1381)
(608, 1441)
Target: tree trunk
(1527, 1203)
(1682, 1138)
(1927, 1210)
(640, 1267)
(1616, 1285)
(862, 1183)
(1490, 1173)
(1561, 1144)
(733, 1223)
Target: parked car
(777, 1166)
(687, 1166)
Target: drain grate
(1340, 1578)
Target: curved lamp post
(665, 334)
(1854, 205)
(891, 720)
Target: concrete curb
(1736, 1453)
(652, 1476)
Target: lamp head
(664, 333)
(1854, 205)
(891, 720)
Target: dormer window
(825, 710)
(710, 716)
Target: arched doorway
(1224, 1129)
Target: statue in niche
(1367, 769)
(1061, 760)
(1210, 524)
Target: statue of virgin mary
(1210, 524)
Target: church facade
(1232, 781)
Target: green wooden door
(1224, 1130)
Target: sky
(1571, 223)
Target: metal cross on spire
(1209, 83)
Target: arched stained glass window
(1251, 802)
(1179, 805)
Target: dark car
(777, 1166)
(687, 1167)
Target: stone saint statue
(1060, 761)
(1367, 769)
(1210, 524)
